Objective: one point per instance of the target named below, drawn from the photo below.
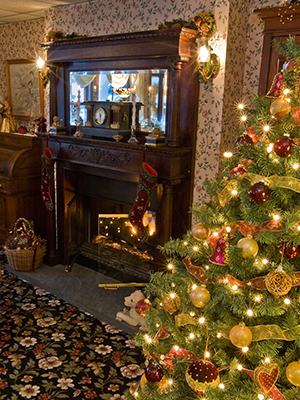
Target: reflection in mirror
(112, 86)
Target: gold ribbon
(265, 332)
(184, 319)
(274, 181)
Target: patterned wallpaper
(238, 43)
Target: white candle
(133, 109)
(149, 106)
(78, 107)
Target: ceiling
(22, 10)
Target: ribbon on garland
(274, 181)
(255, 283)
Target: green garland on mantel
(204, 23)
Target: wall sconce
(208, 63)
(40, 62)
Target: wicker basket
(23, 260)
(26, 259)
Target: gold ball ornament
(278, 282)
(249, 247)
(171, 302)
(200, 231)
(240, 335)
(200, 296)
(293, 373)
(279, 108)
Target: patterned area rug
(52, 350)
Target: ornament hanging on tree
(291, 65)
(202, 374)
(278, 282)
(283, 146)
(288, 250)
(254, 135)
(141, 307)
(259, 192)
(265, 377)
(171, 302)
(244, 139)
(296, 115)
(293, 373)
(154, 373)
(238, 171)
(276, 87)
(200, 231)
(240, 335)
(279, 108)
(249, 246)
(200, 296)
(220, 254)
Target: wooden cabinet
(280, 23)
(95, 167)
(20, 182)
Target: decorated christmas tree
(224, 319)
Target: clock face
(100, 115)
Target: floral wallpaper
(238, 43)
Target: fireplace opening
(100, 235)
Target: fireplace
(98, 227)
(98, 173)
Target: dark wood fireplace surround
(110, 169)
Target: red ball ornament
(154, 373)
(288, 250)
(141, 306)
(244, 139)
(202, 374)
(283, 147)
(259, 192)
(238, 171)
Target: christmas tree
(224, 319)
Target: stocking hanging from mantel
(147, 181)
(47, 171)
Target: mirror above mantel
(93, 89)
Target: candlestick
(78, 133)
(133, 138)
(95, 93)
(149, 107)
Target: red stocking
(148, 178)
(47, 178)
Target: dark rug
(52, 350)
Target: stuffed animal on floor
(131, 316)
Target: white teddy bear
(131, 316)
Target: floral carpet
(52, 350)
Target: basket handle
(24, 221)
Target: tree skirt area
(52, 350)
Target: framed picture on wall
(24, 89)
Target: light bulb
(267, 360)
(207, 354)
(40, 62)
(192, 336)
(222, 386)
(170, 266)
(227, 154)
(257, 299)
(240, 367)
(245, 349)
(270, 148)
(201, 320)
(296, 166)
(244, 118)
(170, 382)
(265, 261)
(234, 287)
(219, 335)
(241, 106)
(249, 313)
(287, 301)
(234, 192)
(266, 128)
(195, 248)
(172, 295)
(194, 287)
(276, 217)
(261, 396)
